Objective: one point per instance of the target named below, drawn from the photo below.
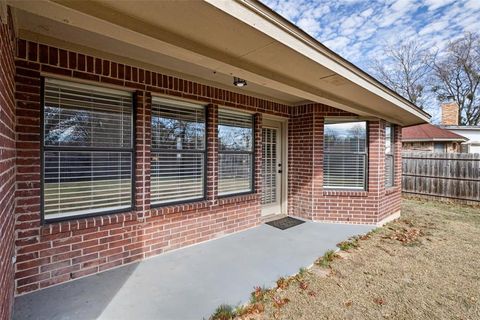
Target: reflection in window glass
(235, 136)
(88, 150)
(345, 158)
(178, 152)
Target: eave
(214, 41)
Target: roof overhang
(213, 40)
(435, 140)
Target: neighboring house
(430, 138)
(125, 133)
(450, 121)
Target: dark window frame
(132, 150)
(240, 152)
(205, 157)
(390, 155)
(365, 154)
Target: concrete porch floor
(189, 283)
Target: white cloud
(338, 44)
(367, 13)
(433, 27)
(435, 4)
(473, 5)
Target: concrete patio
(189, 283)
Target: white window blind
(345, 155)
(269, 166)
(235, 136)
(178, 152)
(88, 150)
(389, 155)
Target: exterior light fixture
(239, 82)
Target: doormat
(285, 223)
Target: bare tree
(405, 69)
(457, 75)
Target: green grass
(325, 260)
(348, 244)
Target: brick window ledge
(238, 198)
(181, 207)
(106, 220)
(87, 223)
(345, 193)
(391, 190)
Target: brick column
(300, 161)
(317, 168)
(142, 153)
(212, 154)
(376, 157)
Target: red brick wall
(57, 252)
(54, 253)
(391, 197)
(7, 166)
(309, 200)
(300, 162)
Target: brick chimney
(450, 114)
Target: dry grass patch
(426, 265)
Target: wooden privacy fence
(454, 176)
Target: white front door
(272, 168)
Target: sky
(358, 29)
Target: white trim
(283, 122)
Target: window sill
(345, 193)
(160, 210)
(390, 190)
(235, 198)
(77, 224)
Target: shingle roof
(429, 132)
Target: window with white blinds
(87, 150)
(235, 138)
(389, 155)
(178, 152)
(345, 155)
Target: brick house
(125, 134)
(431, 138)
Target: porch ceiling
(213, 40)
